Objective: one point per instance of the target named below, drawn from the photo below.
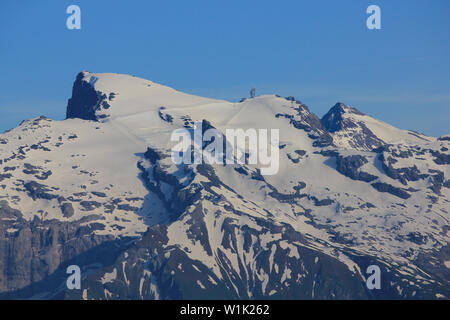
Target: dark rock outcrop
(350, 167)
(85, 100)
(385, 187)
(305, 120)
(333, 120)
(67, 209)
(361, 136)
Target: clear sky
(319, 51)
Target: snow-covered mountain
(100, 190)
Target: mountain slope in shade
(100, 190)
(353, 129)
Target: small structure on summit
(252, 93)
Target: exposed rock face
(304, 119)
(349, 167)
(39, 191)
(361, 136)
(85, 100)
(384, 187)
(353, 129)
(441, 158)
(67, 210)
(401, 174)
(333, 120)
(32, 251)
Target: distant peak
(340, 105)
(334, 121)
(341, 108)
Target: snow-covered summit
(93, 95)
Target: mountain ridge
(104, 178)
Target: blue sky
(318, 51)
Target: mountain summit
(353, 129)
(100, 190)
(334, 120)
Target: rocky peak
(85, 100)
(333, 121)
